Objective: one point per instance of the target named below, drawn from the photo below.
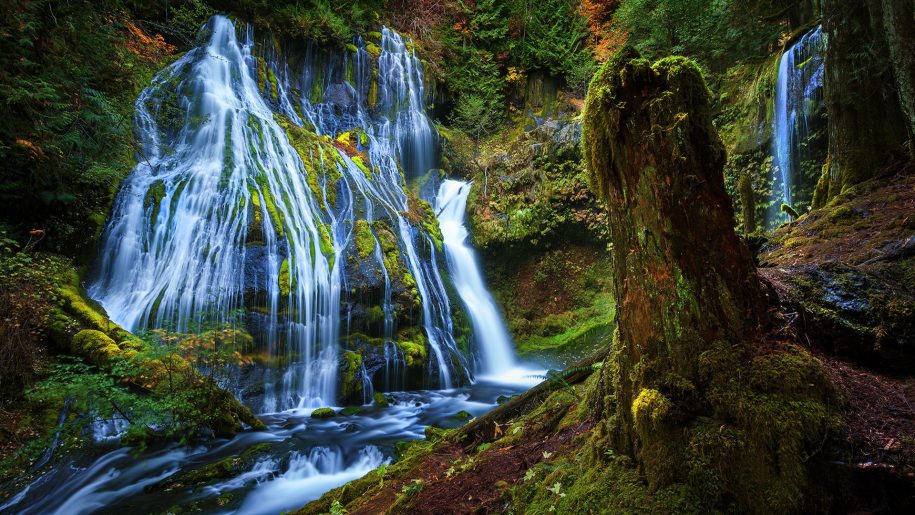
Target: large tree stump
(686, 391)
(683, 278)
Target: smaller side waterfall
(798, 95)
(496, 353)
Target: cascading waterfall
(241, 198)
(496, 351)
(798, 93)
(265, 183)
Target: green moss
(365, 240)
(284, 282)
(326, 243)
(96, 345)
(572, 485)
(261, 74)
(261, 195)
(255, 234)
(225, 468)
(373, 50)
(323, 413)
(86, 311)
(380, 400)
(414, 353)
(361, 164)
(776, 416)
(319, 158)
(790, 211)
(350, 385)
(153, 199)
(274, 88)
(412, 342)
(372, 99)
(462, 415)
(748, 204)
(375, 314)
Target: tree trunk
(899, 23)
(866, 125)
(682, 277)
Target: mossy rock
(96, 345)
(373, 50)
(462, 415)
(323, 413)
(153, 199)
(365, 240)
(225, 468)
(351, 387)
(380, 400)
(415, 354)
(350, 411)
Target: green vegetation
(323, 413)
(604, 224)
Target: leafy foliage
(714, 32)
(71, 71)
(150, 389)
(27, 295)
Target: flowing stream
(258, 166)
(798, 93)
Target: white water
(493, 342)
(178, 251)
(799, 87)
(183, 258)
(308, 477)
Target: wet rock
(340, 95)
(323, 413)
(851, 312)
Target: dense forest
(457, 256)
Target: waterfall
(798, 93)
(242, 207)
(493, 342)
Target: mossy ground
(857, 298)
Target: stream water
(222, 209)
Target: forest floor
(845, 275)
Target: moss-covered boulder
(223, 469)
(95, 345)
(323, 413)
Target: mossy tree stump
(682, 276)
(680, 392)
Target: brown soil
(476, 490)
(879, 419)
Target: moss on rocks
(284, 282)
(365, 240)
(350, 382)
(319, 157)
(323, 413)
(153, 200)
(412, 342)
(96, 345)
